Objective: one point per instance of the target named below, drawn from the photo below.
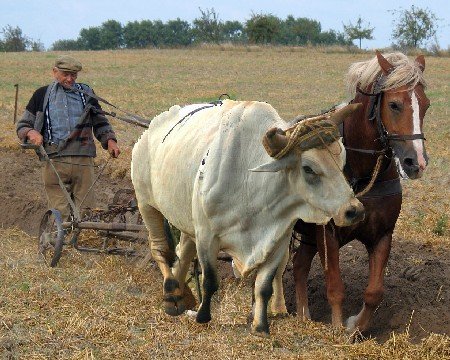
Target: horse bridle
(384, 136)
(375, 115)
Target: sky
(50, 20)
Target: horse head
(402, 110)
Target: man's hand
(35, 137)
(113, 149)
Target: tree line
(259, 29)
(412, 28)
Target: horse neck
(361, 133)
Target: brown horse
(383, 139)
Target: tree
(233, 31)
(14, 40)
(36, 45)
(90, 38)
(300, 31)
(262, 28)
(111, 35)
(208, 27)
(66, 45)
(178, 32)
(332, 37)
(357, 31)
(413, 27)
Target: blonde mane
(364, 73)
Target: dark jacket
(80, 142)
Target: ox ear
(385, 65)
(420, 60)
(285, 162)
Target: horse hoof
(350, 325)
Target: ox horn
(339, 116)
(274, 141)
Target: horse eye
(308, 170)
(394, 106)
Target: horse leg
(301, 267)
(187, 252)
(334, 283)
(278, 304)
(378, 257)
(161, 253)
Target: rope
(296, 137)
(376, 170)
(325, 247)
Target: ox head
(314, 168)
(402, 112)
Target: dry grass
(106, 307)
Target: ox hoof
(278, 314)
(174, 307)
(260, 331)
(203, 317)
(173, 299)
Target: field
(105, 307)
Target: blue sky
(50, 20)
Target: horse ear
(420, 60)
(385, 65)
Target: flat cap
(68, 63)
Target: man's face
(65, 78)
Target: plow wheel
(51, 237)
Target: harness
(375, 115)
(210, 105)
(387, 187)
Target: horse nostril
(408, 162)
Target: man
(64, 120)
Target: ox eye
(395, 106)
(308, 170)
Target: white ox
(192, 166)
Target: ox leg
(278, 304)
(264, 290)
(186, 255)
(161, 253)
(378, 257)
(301, 267)
(207, 257)
(334, 283)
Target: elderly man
(63, 118)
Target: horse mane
(363, 74)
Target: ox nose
(350, 213)
(355, 213)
